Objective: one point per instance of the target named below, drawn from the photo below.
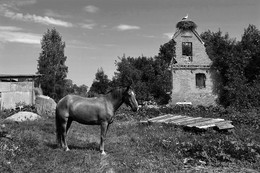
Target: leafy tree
(69, 86)
(151, 77)
(101, 83)
(250, 50)
(135, 71)
(167, 53)
(163, 80)
(250, 45)
(222, 51)
(51, 64)
(81, 90)
(75, 89)
(238, 65)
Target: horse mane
(116, 92)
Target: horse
(91, 111)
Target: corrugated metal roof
(19, 76)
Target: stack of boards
(191, 122)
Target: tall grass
(133, 147)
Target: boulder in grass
(23, 116)
(45, 106)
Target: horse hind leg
(59, 128)
(62, 127)
(69, 121)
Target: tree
(101, 83)
(150, 77)
(250, 45)
(81, 90)
(167, 52)
(163, 62)
(250, 50)
(51, 64)
(71, 88)
(137, 72)
(238, 65)
(221, 50)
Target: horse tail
(58, 126)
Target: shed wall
(13, 93)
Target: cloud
(9, 28)
(17, 35)
(15, 4)
(169, 35)
(91, 9)
(123, 27)
(51, 13)
(33, 18)
(87, 25)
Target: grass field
(132, 147)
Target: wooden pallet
(191, 122)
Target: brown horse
(91, 111)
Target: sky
(98, 32)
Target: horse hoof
(103, 153)
(66, 149)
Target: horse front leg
(104, 127)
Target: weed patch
(133, 147)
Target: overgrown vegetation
(237, 63)
(134, 147)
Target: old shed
(16, 89)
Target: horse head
(130, 100)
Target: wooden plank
(179, 120)
(212, 121)
(174, 118)
(160, 117)
(193, 120)
(224, 125)
(198, 122)
(206, 123)
(184, 120)
(168, 118)
(206, 126)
